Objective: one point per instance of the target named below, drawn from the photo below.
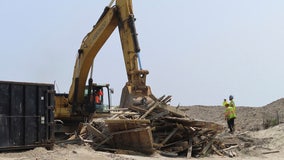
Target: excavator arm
(120, 15)
(90, 47)
(136, 85)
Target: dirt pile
(248, 118)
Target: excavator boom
(90, 47)
(119, 15)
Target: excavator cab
(98, 98)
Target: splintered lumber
(128, 131)
(164, 127)
(151, 104)
(171, 144)
(189, 150)
(167, 99)
(207, 147)
(154, 126)
(95, 131)
(150, 110)
(192, 129)
(173, 110)
(268, 152)
(155, 98)
(103, 142)
(216, 150)
(138, 109)
(193, 123)
(168, 154)
(232, 147)
(159, 115)
(84, 140)
(169, 136)
(115, 125)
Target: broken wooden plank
(126, 124)
(159, 99)
(85, 140)
(95, 131)
(169, 154)
(103, 142)
(128, 131)
(229, 153)
(232, 147)
(216, 150)
(208, 146)
(189, 150)
(192, 129)
(115, 116)
(138, 109)
(171, 144)
(150, 110)
(268, 152)
(159, 115)
(173, 110)
(165, 100)
(169, 136)
(168, 100)
(194, 123)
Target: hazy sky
(198, 51)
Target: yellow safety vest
(232, 104)
(229, 112)
(224, 103)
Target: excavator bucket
(131, 98)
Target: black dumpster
(26, 115)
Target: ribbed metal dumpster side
(26, 115)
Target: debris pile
(153, 127)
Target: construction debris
(153, 127)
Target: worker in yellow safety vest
(225, 102)
(230, 117)
(232, 104)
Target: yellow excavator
(85, 99)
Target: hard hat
(231, 97)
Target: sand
(250, 124)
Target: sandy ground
(75, 152)
(249, 124)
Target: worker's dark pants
(231, 124)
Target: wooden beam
(175, 111)
(169, 136)
(159, 115)
(167, 99)
(232, 147)
(189, 150)
(150, 110)
(137, 109)
(216, 151)
(95, 131)
(128, 121)
(207, 147)
(103, 142)
(268, 152)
